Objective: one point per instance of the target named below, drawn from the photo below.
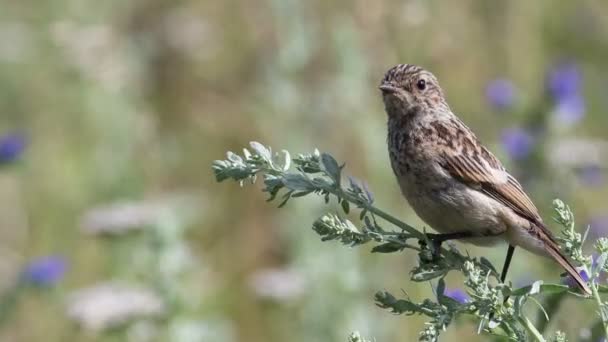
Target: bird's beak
(388, 89)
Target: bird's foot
(435, 241)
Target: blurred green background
(112, 227)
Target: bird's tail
(554, 251)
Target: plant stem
(531, 329)
(378, 212)
(382, 214)
(600, 307)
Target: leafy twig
(319, 173)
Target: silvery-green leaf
(331, 167)
(286, 198)
(235, 158)
(362, 214)
(287, 163)
(488, 264)
(427, 274)
(544, 288)
(601, 245)
(261, 150)
(224, 170)
(247, 154)
(297, 181)
(492, 324)
(599, 264)
(219, 169)
(586, 233)
(535, 288)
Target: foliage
(497, 307)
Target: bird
(451, 180)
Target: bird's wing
(482, 171)
(477, 167)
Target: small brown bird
(451, 180)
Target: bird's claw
(435, 245)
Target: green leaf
(286, 198)
(331, 167)
(440, 288)
(388, 247)
(489, 265)
(345, 206)
(386, 300)
(362, 214)
(301, 194)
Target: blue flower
(517, 142)
(564, 80)
(45, 271)
(591, 175)
(564, 85)
(11, 147)
(568, 280)
(457, 294)
(500, 93)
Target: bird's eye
(421, 84)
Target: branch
(320, 174)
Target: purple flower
(570, 109)
(500, 93)
(564, 85)
(457, 294)
(568, 280)
(45, 271)
(517, 142)
(564, 80)
(11, 147)
(591, 175)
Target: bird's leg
(437, 239)
(505, 267)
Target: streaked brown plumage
(449, 178)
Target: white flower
(578, 152)
(123, 216)
(111, 304)
(277, 284)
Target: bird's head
(408, 89)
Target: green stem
(600, 306)
(531, 329)
(378, 212)
(382, 214)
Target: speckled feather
(449, 178)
